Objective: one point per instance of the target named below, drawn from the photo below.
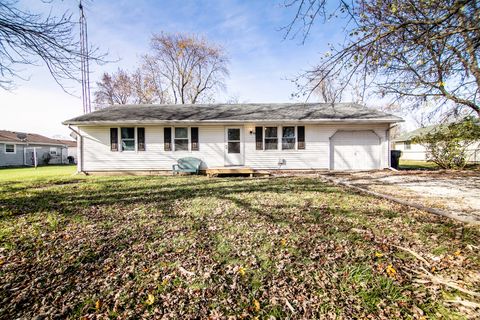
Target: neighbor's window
(288, 138)
(271, 138)
(128, 139)
(9, 148)
(181, 139)
(408, 145)
(53, 151)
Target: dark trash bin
(395, 158)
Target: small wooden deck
(222, 171)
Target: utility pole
(85, 69)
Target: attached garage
(355, 150)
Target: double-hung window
(9, 148)
(408, 145)
(181, 139)
(53, 151)
(127, 139)
(271, 138)
(288, 138)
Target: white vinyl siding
(212, 141)
(316, 154)
(98, 157)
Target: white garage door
(355, 150)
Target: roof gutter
(309, 121)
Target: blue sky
(261, 61)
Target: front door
(233, 146)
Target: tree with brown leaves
(192, 67)
(122, 87)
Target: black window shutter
(114, 139)
(167, 139)
(194, 137)
(301, 137)
(259, 138)
(141, 139)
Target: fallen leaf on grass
(391, 271)
(150, 299)
(256, 305)
(98, 305)
(241, 271)
(378, 254)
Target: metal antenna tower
(85, 69)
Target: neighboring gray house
(343, 136)
(21, 149)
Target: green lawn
(417, 165)
(193, 247)
(40, 173)
(428, 165)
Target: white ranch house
(284, 136)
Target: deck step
(215, 172)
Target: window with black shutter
(259, 138)
(114, 139)
(194, 138)
(140, 139)
(167, 139)
(271, 138)
(301, 137)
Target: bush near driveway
(192, 247)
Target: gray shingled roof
(234, 113)
(407, 136)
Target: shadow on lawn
(73, 198)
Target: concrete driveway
(457, 193)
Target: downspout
(80, 147)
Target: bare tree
(411, 51)
(122, 87)
(327, 89)
(28, 38)
(115, 88)
(191, 67)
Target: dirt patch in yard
(452, 191)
